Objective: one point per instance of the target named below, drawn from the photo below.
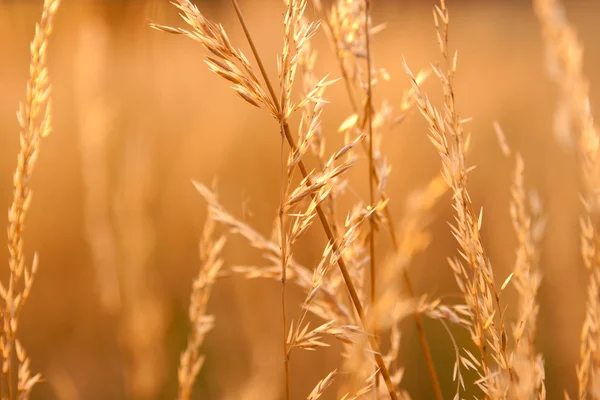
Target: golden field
(116, 221)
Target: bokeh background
(137, 116)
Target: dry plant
(529, 225)
(35, 120)
(354, 293)
(476, 279)
(363, 305)
(575, 121)
(504, 372)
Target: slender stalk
(326, 227)
(284, 247)
(369, 123)
(375, 179)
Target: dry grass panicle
(528, 225)
(35, 120)
(499, 377)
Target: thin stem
(369, 122)
(284, 246)
(326, 227)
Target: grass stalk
(284, 247)
(369, 123)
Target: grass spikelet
(228, 62)
(322, 386)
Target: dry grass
(326, 229)
(35, 120)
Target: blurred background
(116, 220)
